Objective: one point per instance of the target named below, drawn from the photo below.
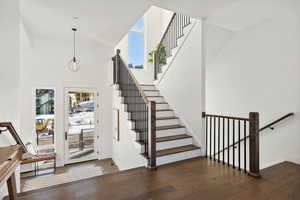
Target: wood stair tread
(168, 138)
(173, 137)
(166, 152)
(163, 110)
(169, 127)
(156, 103)
(167, 118)
(159, 118)
(131, 96)
(147, 90)
(160, 128)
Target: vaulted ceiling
(105, 21)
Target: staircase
(173, 141)
(160, 135)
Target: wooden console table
(10, 158)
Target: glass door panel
(81, 129)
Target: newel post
(254, 144)
(116, 64)
(152, 135)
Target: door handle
(66, 135)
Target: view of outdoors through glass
(44, 120)
(44, 127)
(81, 119)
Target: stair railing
(231, 133)
(142, 111)
(173, 32)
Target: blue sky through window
(136, 44)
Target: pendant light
(74, 62)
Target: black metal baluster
(169, 43)
(176, 29)
(185, 21)
(206, 127)
(245, 146)
(171, 39)
(228, 150)
(173, 35)
(239, 144)
(214, 138)
(219, 139)
(210, 134)
(233, 147)
(223, 140)
(180, 25)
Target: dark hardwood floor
(188, 180)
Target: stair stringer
(126, 152)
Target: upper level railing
(169, 41)
(142, 111)
(226, 133)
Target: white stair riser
(156, 99)
(148, 87)
(151, 93)
(162, 106)
(167, 122)
(177, 157)
(160, 122)
(173, 143)
(170, 132)
(165, 114)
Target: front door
(81, 130)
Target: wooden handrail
(133, 78)
(261, 129)
(224, 116)
(164, 35)
(14, 134)
(276, 121)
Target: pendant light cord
(74, 42)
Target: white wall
(9, 71)
(44, 65)
(10, 60)
(257, 69)
(183, 84)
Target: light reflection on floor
(69, 173)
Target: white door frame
(95, 155)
